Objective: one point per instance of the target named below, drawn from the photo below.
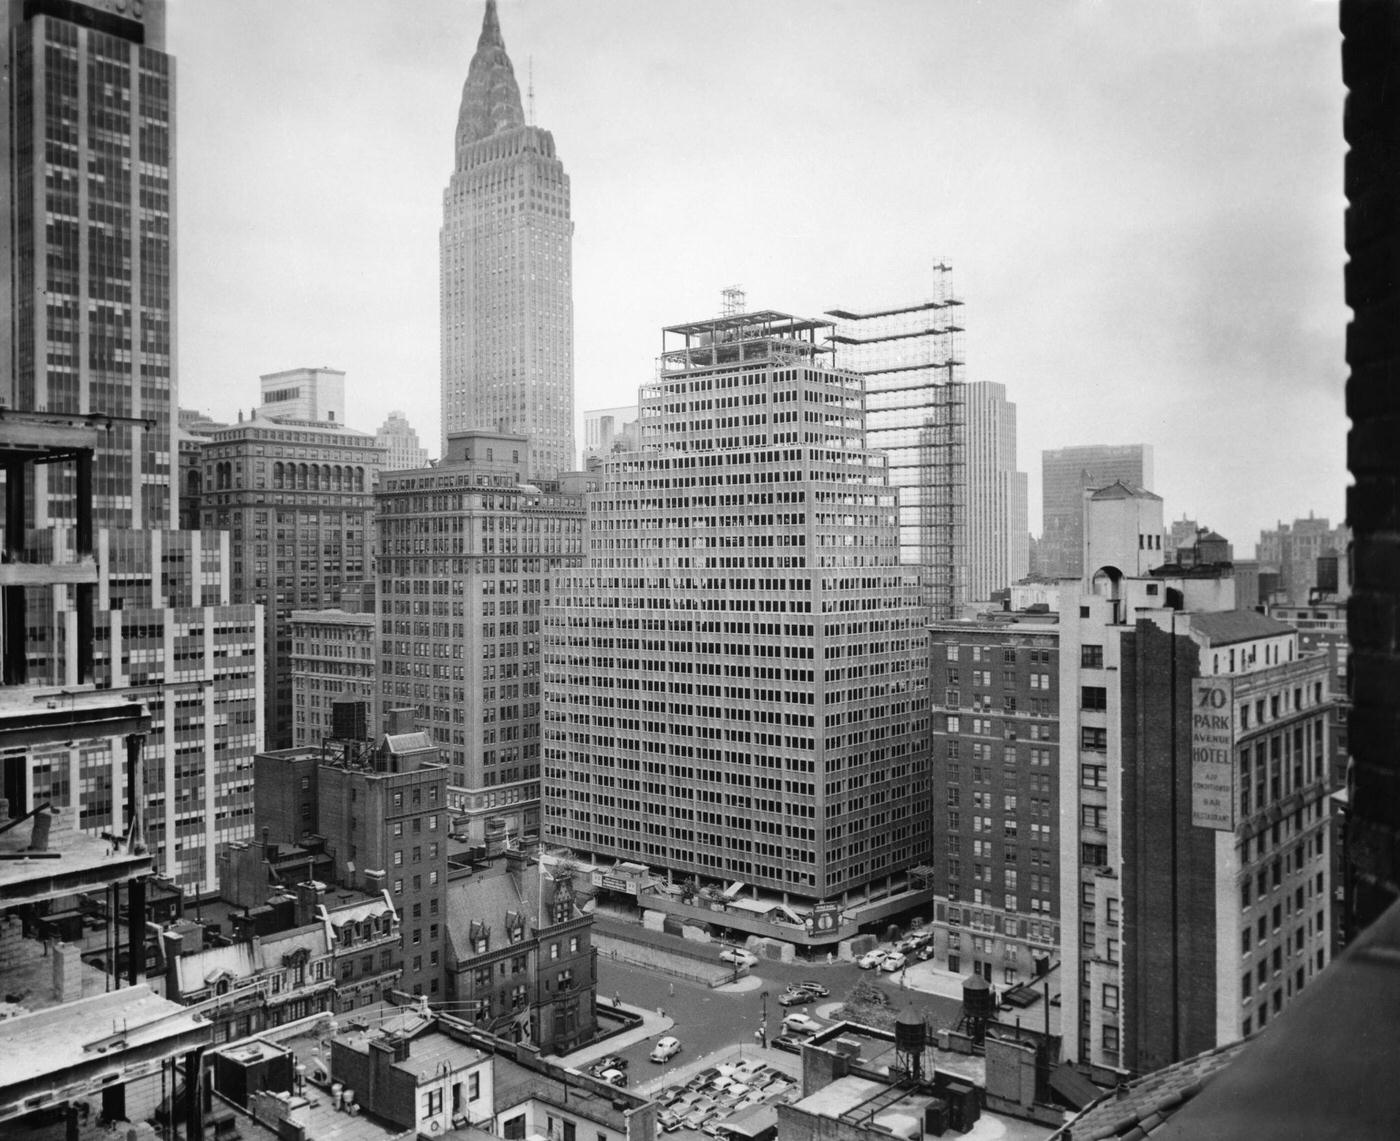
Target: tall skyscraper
(507, 271)
(89, 284)
(998, 552)
(911, 360)
(88, 329)
(1066, 473)
(731, 688)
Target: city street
(708, 1019)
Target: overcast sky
(1142, 203)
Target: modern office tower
(466, 557)
(911, 360)
(507, 271)
(996, 793)
(162, 631)
(997, 534)
(332, 660)
(89, 286)
(296, 497)
(1066, 473)
(732, 691)
(609, 429)
(382, 809)
(400, 443)
(1298, 553)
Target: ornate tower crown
(490, 97)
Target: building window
(1093, 740)
(1093, 697)
(1091, 657)
(1110, 996)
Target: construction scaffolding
(911, 359)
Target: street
(708, 1019)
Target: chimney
(309, 894)
(515, 864)
(67, 972)
(172, 945)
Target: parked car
(669, 1120)
(613, 1077)
(815, 987)
(893, 961)
(871, 959)
(669, 1095)
(796, 996)
(738, 956)
(607, 1062)
(714, 1127)
(791, 1043)
(801, 1023)
(697, 1117)
(925, 952)
(665, 1049)
(703, 1078)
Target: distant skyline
(1143, 205)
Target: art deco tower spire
(507, 270)
(490, 96)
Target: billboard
(1213, 753)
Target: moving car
(871, 959)
(665, 1049)
(801, 1023)
(738, 956)
(893, 961)
(796, 996)
(815, 987)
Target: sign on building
(1212, 753)
(824, 919)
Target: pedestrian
(617, 998)
(830, 958)
(672, 989)
(660, 1013)
(903, 974)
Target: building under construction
(912, 361)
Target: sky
(1142, 204)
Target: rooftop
(52, 1053)
(1226, 626)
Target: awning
(1073, 1086)
(733, 889)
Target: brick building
(296, 498)
(521, 961)
(996, 775)
(467, 554)
(382, 811)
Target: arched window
(194, 484)
(359, 479)
(277, 475)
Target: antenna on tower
(732, 300)
(530, 88)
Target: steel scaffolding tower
(912, 360)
